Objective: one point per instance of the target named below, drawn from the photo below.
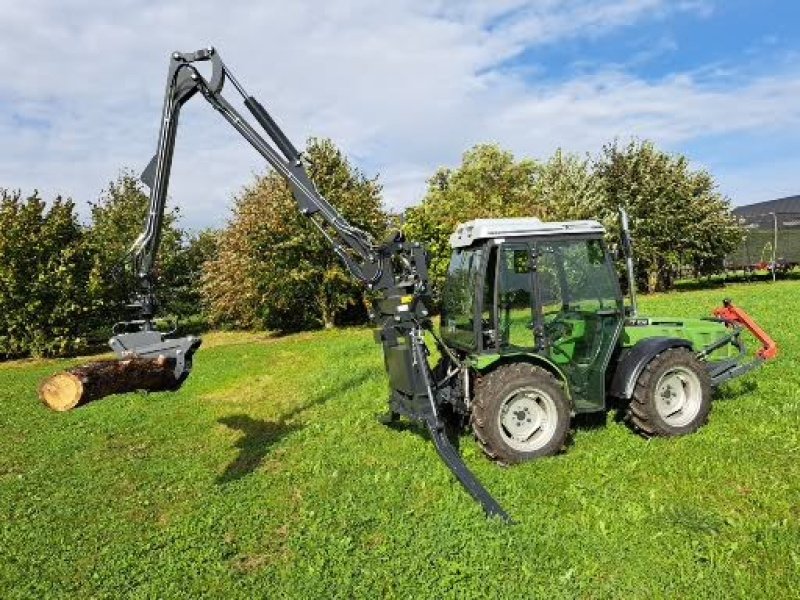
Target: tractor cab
(546, 291)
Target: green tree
(677, 215)
(44, 265)
(229, 278)
(197, 249)
(566, 189)
(489, 183)
(273, 268)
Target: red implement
(733, 315)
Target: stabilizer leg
(448, 454)
(452, 459)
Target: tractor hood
(700, 332)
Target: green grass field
(268, 476)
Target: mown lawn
(268, 476)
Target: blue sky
(734, 35)
(403, 87)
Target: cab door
(580, 306)
(515, 298)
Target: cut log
(86, 383)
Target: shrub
(44, 266)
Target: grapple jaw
(149, 343)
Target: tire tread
(641, 414)
(488, 387)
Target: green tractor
(534, 331)
(536, 311)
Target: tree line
(63, 283)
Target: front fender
(489, 362)
(634, 360)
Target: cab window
(515, 297)
(460, 295)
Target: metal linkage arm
(627, 248)
(180, 88)
(733, 315)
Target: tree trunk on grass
(86, 383)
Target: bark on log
(86, 383)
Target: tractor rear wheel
(520, 412)
(672, 396)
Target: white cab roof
(481, 229)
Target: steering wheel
(559, 326)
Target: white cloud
(402, 86)
(593, 109)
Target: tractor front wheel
(520, 412)
(672, 396)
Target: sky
(403, 87)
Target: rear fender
(633, 362)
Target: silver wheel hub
(527, 419)
(678, 397)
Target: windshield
(459, 296)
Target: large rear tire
(520, 412)
(672, 396)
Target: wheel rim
(527, 419)
(679, 396)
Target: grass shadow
(254, 445)
(456, 427)
(735, 389)
(693, 285)
(591, 421)
(615, 409)
(259, 435)
(732, 277)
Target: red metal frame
(733, 315)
